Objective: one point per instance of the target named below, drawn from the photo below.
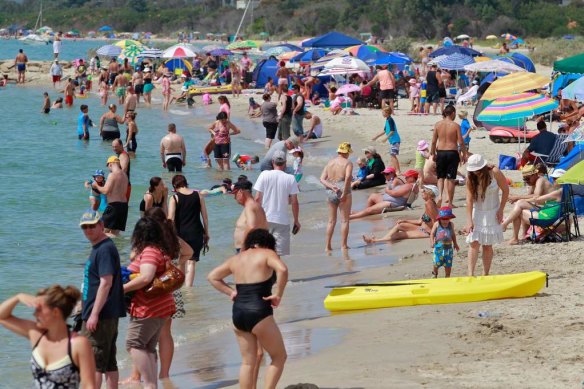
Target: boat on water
(34, 38)
(434, 291)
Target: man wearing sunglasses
(102, 298)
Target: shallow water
(42, 172)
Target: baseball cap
(89, 217)
(388, 170)
(99, 172)
(279, 157)
(411, 173)
(112, 159)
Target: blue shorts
(443, 255)
(394, 149)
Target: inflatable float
(502, 134)
(434, 291)
(201, 90)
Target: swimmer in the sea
(58, 103)
(46, 103)
(223, 188)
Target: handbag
(169, 281)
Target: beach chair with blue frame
(557, 229)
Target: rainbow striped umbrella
(514, 83)
(517, 107)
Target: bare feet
(328, 249)
(512, 242)
(367, 239)
(345, 248)
(130, 381)
(504, 226)
(439, 201)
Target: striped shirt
(143, 307)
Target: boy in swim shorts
(443, 240)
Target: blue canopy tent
(332, 39)
(391, 59)
(520, 60)
(264, 69)
(455, 49)
(572, 158)
(105, 28)
(563, 80)
(309, 56)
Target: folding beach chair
(558, 229)
(558, 151)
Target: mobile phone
(295, 229)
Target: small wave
(177, 112)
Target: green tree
(138, 5)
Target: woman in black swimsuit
(155, 197)
(253, 271)
(60, 357)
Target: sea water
(42, 169)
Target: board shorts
(148, 88)
(271, 129)
(394, 149)
(69, 100)
(387, 94)
(103, 342)
(281, 233)
(443, 255)
(143, 333)
(447, 164)
(21, 67)
(121, 92)
(56, 78)
(433, 97)
(222, 151)
(442, 93)
(115, 216)
(139, 89)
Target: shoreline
(437, 345)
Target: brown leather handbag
(169, 281)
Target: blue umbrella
(220, 52)
(105, 28)
(390, 59)
(309, 56)
(455, 49)
(288, 46)
(455, 62)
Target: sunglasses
(88, 226)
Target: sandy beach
(533, 342)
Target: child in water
(443, 240)
(46, 103)
(245, 161)
(298, 157)
(97, 200)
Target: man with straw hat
(336, 178)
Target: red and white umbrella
(178, 51)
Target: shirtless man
(20, 63)
(118, 148)
(336, 178)
(138, 83)
(113, 70)
(115, 188)
(119, 87)
(534, 176)
(252, 216)
(173, 151)
(445, 149)
(69, 92)
(131, 101)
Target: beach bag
(506, 162)
(169, 281)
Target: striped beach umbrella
(493, 65)
(515, 83)
(150, 53)
(131, 52)
(178, 51)
(278, 50)
(455, 61)
(308, 56)
(517, 107)
(367, 53)
(127, 42)
(329, 57)
(109, 50)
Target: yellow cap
(528, 170)
(345, 148)
(112, 159)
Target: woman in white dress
(484, 210)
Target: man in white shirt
(275, 190)
(57, 44)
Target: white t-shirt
(276, 187)
(56, 46)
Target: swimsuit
(447, 164)
(335, 197)
(121, 91)
(111, 130)
(154, 203)
(61, 374)
(249, 307)
(21, 67)
(115, 216)
(187, 220)
(443, 250)
(174, 162)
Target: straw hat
(345, 148)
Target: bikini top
(154, 203)
(60, 374)
(426, 218)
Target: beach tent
(520, 60)
(332, 39)
(563, 80)
(453, 50)
(264, 69)
(572, 158)
(573, 64)
(178, 63)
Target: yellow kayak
(434, 291)
(195, 91)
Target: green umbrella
(131, 52)
(574, 175)
(242, 45)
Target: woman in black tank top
(188, 211)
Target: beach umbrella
(518, 106)
(105, 28)
(242, 45)
(309, 56)
(287, 56)
(329, 57)
(493, 65)
(348, 88)
(288, 46)
(574, 91)
(574, 175)
(220, 52)
(453, 50)
(508, 37)
(514, 83)
(178, 51)
(209, 48)
(131, 53)
(150, 53)
(276, 51)
(109, 50)
(489, 37)
(518, 41)
(347, 63)
(178, 63)
(577, 135)
(455, 62)
(482, 59)
(362, 49)
(462, 37)
(390, 59)
(127, 42)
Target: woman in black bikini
(253, 271)
(60, 358)
(155, 197)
